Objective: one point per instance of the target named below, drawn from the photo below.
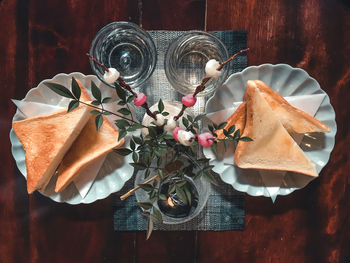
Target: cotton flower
(189, 100)
(111, 75)
(170, 125)
(211, 69)
(140, 99)
(175, 133)
(185, 137)
(206, 139)
(160, 119)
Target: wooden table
(39, 39)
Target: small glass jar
(186, 58)
(126, 47)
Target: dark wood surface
(39, 39)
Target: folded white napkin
(274, 179)
(87, 176)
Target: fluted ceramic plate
(287, 81)
(115, 171)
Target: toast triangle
(272, 147)
(293, 119)
(90, 145)
(46, 139)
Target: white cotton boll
(111, 76)
(211, 69)
(160, 120)
(185, 137)
(171, 124)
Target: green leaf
(210, 178)
(95, 112)
(149, 227)
(199, 117)
(188, 194)
(172, 188)
(245, 139)
(163, 197)
(124, 111)
(135, 127)
(139, 166)
(237, 134)
(185, 122)
(222, 125)
(135, 157)
(72, 105)
(106, 113)
(130, 98)
(235, 142)
(59, 89)
(120, 92)
(123, 151)
(145, 205)
(231, 129)
(107, 100)
(211, 128)
(152, 131)
(146, 187)
(159, 161)
(98, 121)
(122, 134)
(122, 103)
(189, 117)
(121, 124)
(132, 145)
(138, 140)
(156, 215)
(168, 137)
(147, 173)
(76, 89)
(181, 194)
(164, 113)
(160, 105)
(95, 102)
(95, 91)
(160, 172)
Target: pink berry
(189, 100)
(175, 132)
(206, 139)
(140, 99)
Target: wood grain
(39, 39)
(310, 225)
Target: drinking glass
(126, 47)
(186, 58)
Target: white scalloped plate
(114, 172)
(287, 81)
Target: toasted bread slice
(88, 147)
(293, 119)
(46, 139)
(237, 118)
(272, 147)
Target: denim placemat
(225, 207)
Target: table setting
(174, 133)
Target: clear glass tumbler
(126, 47)
(186, 58)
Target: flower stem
(97, 62)
(115, 114)
(201, 86)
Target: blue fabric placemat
(225, 209)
